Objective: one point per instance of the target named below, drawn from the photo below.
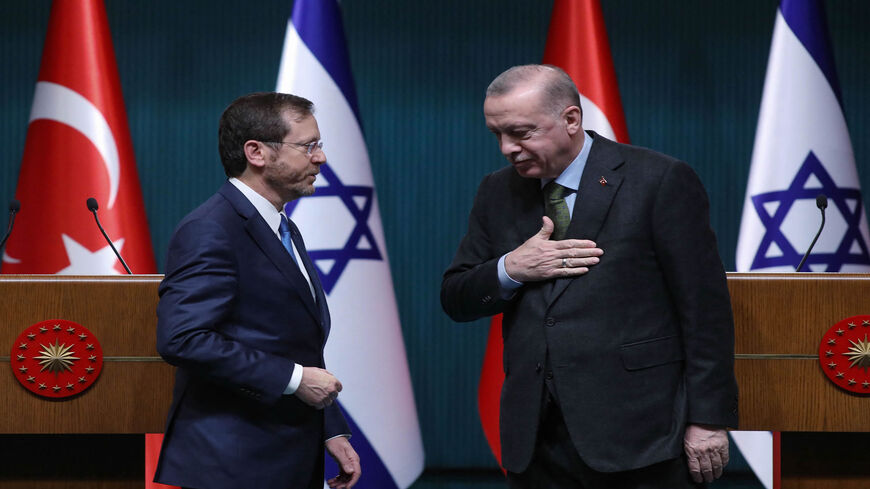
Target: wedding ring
(564, 263)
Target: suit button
(486, 299)
(538, 367)
(549, 375)
(550, 322)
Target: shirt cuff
(295, 380)
(507, 284)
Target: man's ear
(255, 152)
(573, 119)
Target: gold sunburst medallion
(57, 357)
(859, 353)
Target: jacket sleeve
(334, 422)
(197, 297)
(470, 288)
(686, 247)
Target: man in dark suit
(617, 328)
(244, 318)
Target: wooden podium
(94, 439)
(779, 322)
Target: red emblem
(844, 354)
(56, 358)
(603, 181)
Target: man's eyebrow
(512, 127)
(519, 127)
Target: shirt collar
(570, 177)
(265, 208)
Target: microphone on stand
(822, 204)
(93, 206)
(14, 207)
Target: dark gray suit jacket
(641, 345)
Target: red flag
(577, 43)
(153, 442)
(78, 146)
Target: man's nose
(509, 146)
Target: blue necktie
(286, 237)
(290, 236)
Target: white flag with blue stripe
(344, 237)
(802, 149)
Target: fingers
(695, 469)
(546, 228)
(577, 262)
(717, 465)
(318, 387)
(576, 245)
(348, 462)
(706, 452)
(706, 467)
(539, 258)
(351, 474)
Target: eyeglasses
(310, 148)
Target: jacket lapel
(313, 275)
(527, 194)
(593, 197)
(271, 246)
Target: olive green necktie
(556, 209)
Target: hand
(318, 387)
(541, 259)
(707, 450)
(348, 463)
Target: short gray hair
(559, 89)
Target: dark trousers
(556, 464)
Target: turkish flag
(577, 43)
(78, 146)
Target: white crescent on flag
(58, 103)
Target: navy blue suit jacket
(234, 315)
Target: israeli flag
(344, 236)
(802, 149)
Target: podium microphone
(93, 206)
(822, 204)
(14, 207)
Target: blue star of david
(361, 234)
(796, 191)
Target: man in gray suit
(618, 333)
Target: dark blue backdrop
(690, 74)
